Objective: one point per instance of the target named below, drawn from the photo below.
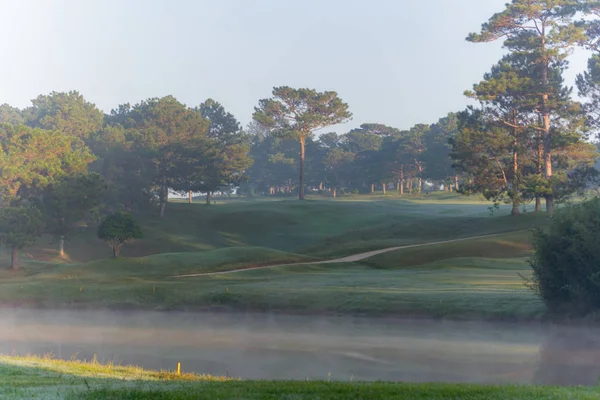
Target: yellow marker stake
(178, 368)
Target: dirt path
(348, 259)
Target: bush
(566, 262)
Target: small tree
(118, 229)
(566, 262)
(19, 228)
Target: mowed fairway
(473, 278)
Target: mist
(264, 346)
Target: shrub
(117, 229)
(566, 262)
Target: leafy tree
(19, 228)
(436, 159)
(396, 161)
(227, 152)
(546, 32)
(483, 149)
(369, 137)
(415, 148)
(33, 158)
(298, 113)
(337, 166)
(70, 202)
(160, 128)
(11, 115)
(507, 104)
(117, 229)
(274, 160)
(67, 112)
(566, 263)
(365, 143)
(222, 124)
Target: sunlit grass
(47, 378)
(94, 369)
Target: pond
(265, 346)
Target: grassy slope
(39, 378)
(322, 228)
(450, 281)
(474, 278)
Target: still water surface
(262, 346)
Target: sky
(396, 62)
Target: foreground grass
(334, 391)
(45, 378)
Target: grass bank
(46, 378)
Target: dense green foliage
(566, 264)
(117, 229)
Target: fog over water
(264, 346)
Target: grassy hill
(323, 227)
(473, 278)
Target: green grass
(470, 279)
(335, 391)
(46, 378)
(315, 227)
(508, 245)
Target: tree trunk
(164, 193)
(207, 198)
(401, 180)
(410, 186)
(334, 193)
(372, 188)
(420, 185)
(384, 188)
(61, 247)
(547, 130)
(116, 250)
(456, 182)
(515, 196)
(190, 197)
(302, 155)
(540, 155)
(515, 208)
(14, 258)
(321, 186)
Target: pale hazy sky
(397, 62)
